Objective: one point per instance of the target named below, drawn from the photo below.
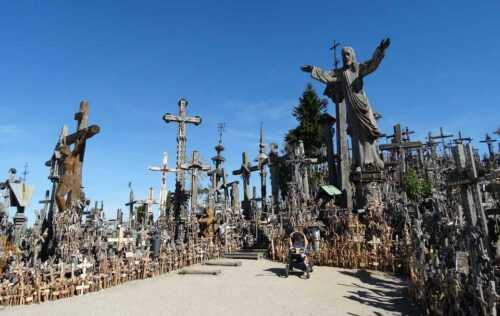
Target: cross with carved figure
(181, 119)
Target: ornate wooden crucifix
(181, 119)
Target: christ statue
(346, 85)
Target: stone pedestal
(368, 189)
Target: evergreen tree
(308, 113)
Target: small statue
(207, 223)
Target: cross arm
(87, 133)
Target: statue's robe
(346, 84)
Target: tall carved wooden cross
(181, 119)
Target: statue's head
(348, 56)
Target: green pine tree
(308, 113)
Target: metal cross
(164, 169)
(334, 49)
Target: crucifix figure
(194, 166)
(346, 84)
(69, 161)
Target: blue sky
(235, 63)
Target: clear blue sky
(235, 63)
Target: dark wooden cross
(442, 136)
(461, 139)
(334, 49)
(489, 142)
(194, 166)
(131, 202)
(301, 163)
(406, 134)
(245, 170)
(262, 162)
(399, 146)
(466, 178)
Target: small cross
(374, 242)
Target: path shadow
(387, 295)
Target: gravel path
(254, 288)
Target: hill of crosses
(426, 210)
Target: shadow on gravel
(280, 272)
(386, 295)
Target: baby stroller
(297, 255)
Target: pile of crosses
(72, 249)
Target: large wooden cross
(301, 169)
(461, 139)
(245, 171)
(181, 119)
(262, 162)
(399, 145)
(194, 166)
(441, 136)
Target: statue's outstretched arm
(320, 74)
(371, 65)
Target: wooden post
(343, 165)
